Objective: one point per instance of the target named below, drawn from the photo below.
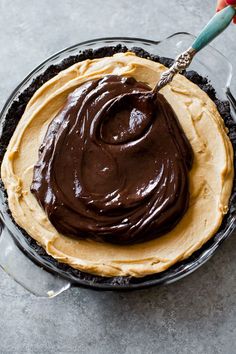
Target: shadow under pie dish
(142, 259)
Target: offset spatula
(217, 24)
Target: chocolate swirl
(114, 164)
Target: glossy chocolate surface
(114, 164)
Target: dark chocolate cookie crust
(17, 109)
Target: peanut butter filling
(210, 178)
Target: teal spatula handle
(217, 24)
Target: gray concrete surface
(195, 315)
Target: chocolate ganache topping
(114, 164)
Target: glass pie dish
(34, 270)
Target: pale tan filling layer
(210, 178)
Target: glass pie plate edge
(41, 277)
